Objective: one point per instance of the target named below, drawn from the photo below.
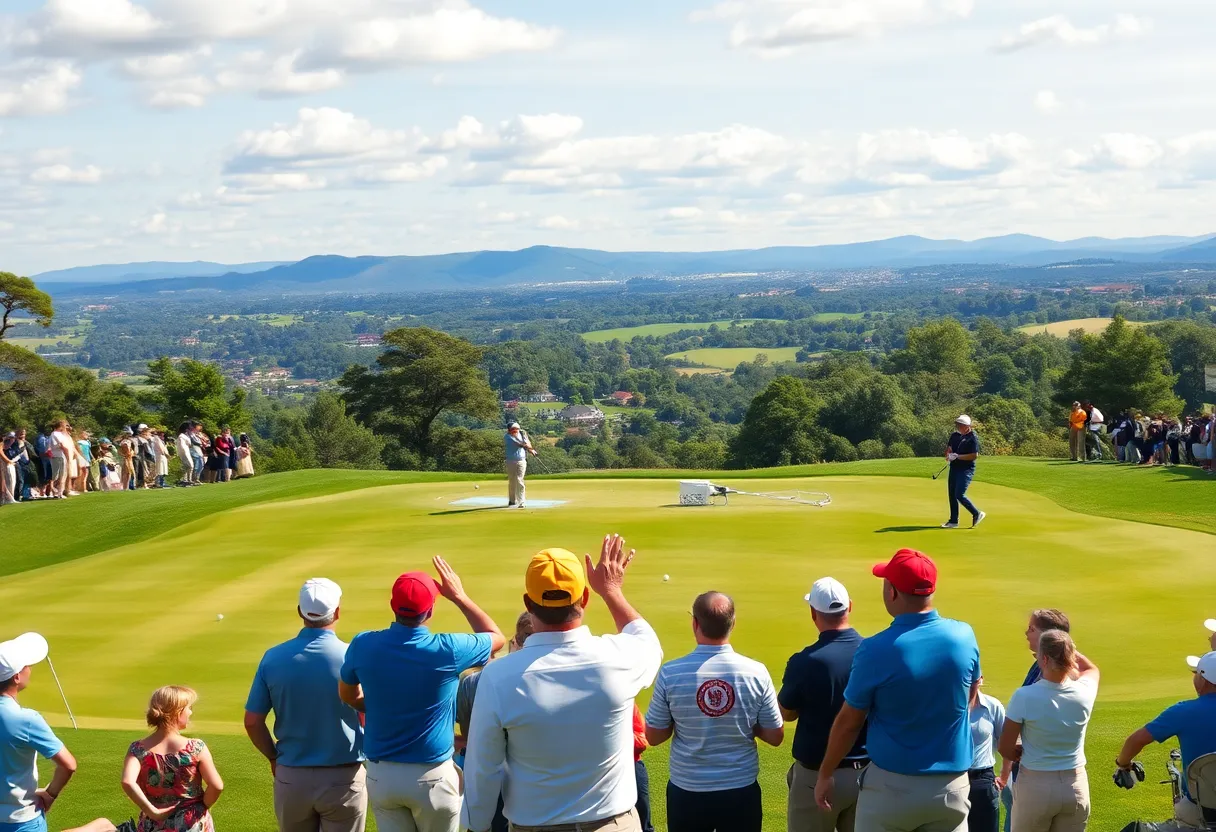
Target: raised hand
(450, 586)
(606, 577)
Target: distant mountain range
(542, 265)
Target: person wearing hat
(962, 451)
(24, 736)
(517, 448)
(812, 693)
(316, 752)
(716, 704)
(1193, 722)
(913, 682)
(405, 680)
(554, 721)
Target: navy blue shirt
(969, 444)
(298, 680)
(410, 677)
(813, 685)
(914, 679)
(1194, 724)
(1033, 675)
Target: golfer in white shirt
(552, 729)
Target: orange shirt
(1078, 419)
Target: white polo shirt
(552, 728)
(714, 697)
(1054, 716)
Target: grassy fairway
(728, 358)
(127, 587)
(628, 333)
(1061, 328)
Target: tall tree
(339, 440)
(1191, 348)
(780, 427)
(20, 294)
(194, 390)
(1120, 368)
(422, 375)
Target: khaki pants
(1076, 442)
(320, 799)
(1051, 801)
(410, 797)
(622, 823)
(891, 802)
(803, 815)
(515, 481)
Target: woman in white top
(185, 455)
(1052, 791)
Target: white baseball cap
(1204, 665)
(828, 595)
(1210, 624)
(319, 598)
(20, 653)
(963, 420)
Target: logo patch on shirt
(715, 698)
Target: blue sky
(235, 130)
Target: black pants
(985, 802)
(734, 810)
(643, 780)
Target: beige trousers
(409, 797)
(1076, 445)
(891, 802)
(320, 799)
(515, 481)
(622, 823)
(803, 815)
(1051, 801)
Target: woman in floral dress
(171, 778)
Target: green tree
(20, 294)
(194, 390)
(780, 427)
(940, 347)
(1123, 367)
(339, 440)
(1191, 348)
(422, 375)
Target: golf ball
(477, 488)
(666, 578)
(219, 617)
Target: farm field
(1060, 329)
(628, 333)
(728, 358)
(131, 606)
(268, 319)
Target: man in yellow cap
(557, 716)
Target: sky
(249, 130)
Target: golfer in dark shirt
(812, 692)
(963, 450)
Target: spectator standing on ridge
(1095, 423)
(1193, 722)
(24, 736)
(405, 679)
(555, 718)
(244, 458)
(714, 704)
(185, 454)
(517, 447)
(914, 682)
(1050, 717)
(222, 450)
(29, 481)
(9, 456)
(43, 446)
(126, 453)
(63, 451)
(316, 752)
(962, 452)
(1076, 432)
(641, 775)
(812, 693)
(987, 716)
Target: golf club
(59, 684)
(939, 473)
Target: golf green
(123, 620)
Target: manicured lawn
(630, 332)
(127, 586)
(1061, 328)
(728, 358)
(827, 317)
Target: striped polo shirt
(714, 697)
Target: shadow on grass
(467, 510)
(890, 529)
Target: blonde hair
(1057, 647)
(168, 704)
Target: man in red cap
(910, 687)
(405, 679)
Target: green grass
(1060, 329)
(268, 319)
(828, 317)
(536, 407)
(728, 358)
(127, 586)
(658, 330)
(49, 341)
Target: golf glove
(1126, 778)
(952, 457)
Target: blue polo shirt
(410, 677)
(24, 735)
(513, 448)
(1194, 724)
(914, 680)
(298, 680)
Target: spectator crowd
(61, 462)
(1141, 439)
(892, 733)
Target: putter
(59, 685)
(939, 473)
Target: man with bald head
(716, 704)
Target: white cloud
(778, 27)
(35, 87)
(1058, 30)
(684, 212)
(916, 157)
(277, 76)
(557, 222)
(1047, 102)
(65, 175)
(1117, 151)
